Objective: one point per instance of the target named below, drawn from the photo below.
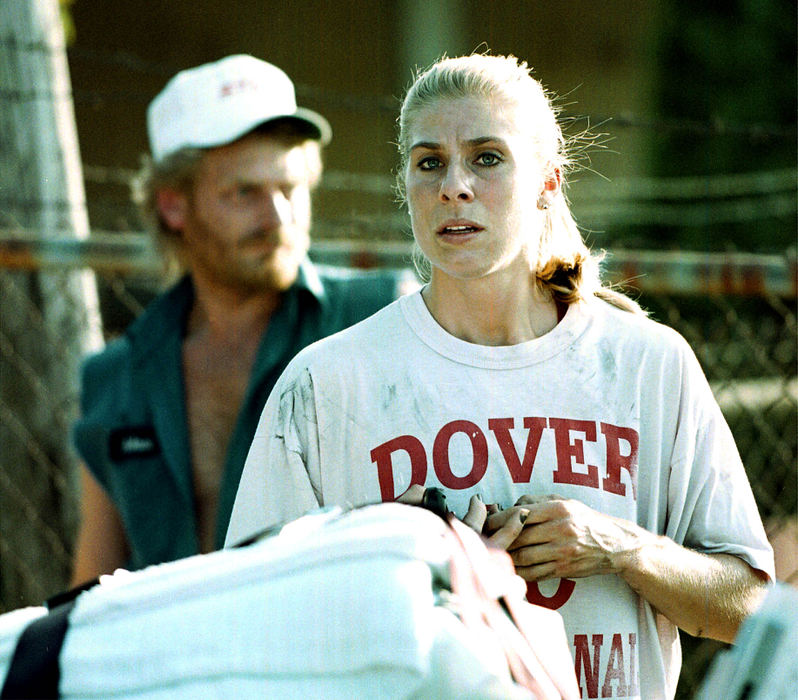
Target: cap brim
(318, 128)
(315, 119)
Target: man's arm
(706, 595)
(102, 544)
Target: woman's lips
(458, 228)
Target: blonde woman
(514, 378)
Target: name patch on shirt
(133, 443)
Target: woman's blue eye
(488, 159)
(429, 163)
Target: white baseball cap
(216, 103)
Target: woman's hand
(563, 538)
(414, 495)
(706, 595)
(504, 532)
(507, 524)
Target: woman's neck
(492, 310)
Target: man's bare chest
(216, 381)
(215, 385)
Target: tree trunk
(48, 320)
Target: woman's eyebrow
(483, 139)
(429, 145)
(477, 141)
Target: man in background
(170, 408)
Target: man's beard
(239, 267)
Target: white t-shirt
(609, 408)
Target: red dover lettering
(621, 446)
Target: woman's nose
(456, 185)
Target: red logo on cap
(236, 86)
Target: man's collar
(172, 308)
(309, 279)
(164, 316)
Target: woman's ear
(172, 207)
(551, 188)
(553, 182)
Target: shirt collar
(309, 280)
(171, 309)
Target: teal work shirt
(133, 433)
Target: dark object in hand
(435, 500)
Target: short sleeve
(276, 485)
(104, 398)
(711, 506)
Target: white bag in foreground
(386, 601)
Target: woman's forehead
(463, 119)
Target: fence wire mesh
(747, 347)
(746, 344)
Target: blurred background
(690, 185)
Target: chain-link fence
(744, 334)
(747, 346)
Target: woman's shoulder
(635, 327)
(353, 344)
